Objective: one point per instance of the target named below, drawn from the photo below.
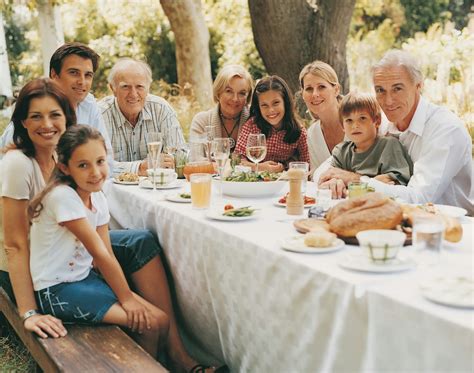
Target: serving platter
(305, 225)
(251, 189)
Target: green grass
(14, 357)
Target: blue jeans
(134, 248)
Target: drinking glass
(210, 134)
(323, 198)
(256, 149)
(171, 148)
(428, 234)
(301, 166)
(154, 143)
(357, 188)
(200, 190)
(220, 151)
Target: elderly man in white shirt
(435, 138)
(132, 112)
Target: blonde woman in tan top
(232, 91)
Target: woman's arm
(16, 229)
(100, 249)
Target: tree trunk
(192, 47)
(50, 29)
(290, 34)
(5, 78)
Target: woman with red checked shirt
(272, 113)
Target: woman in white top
(321, 94)
(41, 115)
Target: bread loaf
(370, 211)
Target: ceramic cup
(162, 176)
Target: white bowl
(251, 189)
(381, 245)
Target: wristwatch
(28, 314)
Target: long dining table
(244, 301)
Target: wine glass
(210, 133)
(220, 150)
(154, 144)
(171, 146)
(256, 148)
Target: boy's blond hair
(356, 101)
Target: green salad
(185, 195)
(253, 176)
(240, 212)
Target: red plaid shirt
(277, 149)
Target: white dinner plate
(361, 262)
(296, 244)
(453, 211)
(145, 183)
(177, 198)
(116, 181)
(219, 215)
(454, 290)
(279, 204)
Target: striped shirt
(128, 142)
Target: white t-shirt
(56, 254)
(21, 179)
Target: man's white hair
(397, 57)
(127, 63)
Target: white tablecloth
(262, 309)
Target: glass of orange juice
(200, 190)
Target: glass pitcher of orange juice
(198, 160)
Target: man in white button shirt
(72, 67)
(435, 138)
(132, 112)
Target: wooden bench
(105, 348)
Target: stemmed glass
(256, 148)
(210, 133)
(220, 150)
(154, 143)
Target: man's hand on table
(337, 187)
(337, 173)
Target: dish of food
(360, 262)
(452, 211)
(453, 229)
(250, 189)
(232, 214)
(369, 211)
(454, 290)
(308, 202)
(249, 177)
(297, 244)
(179, 197)
(126, 178)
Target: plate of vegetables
(230, 213)
(308, 202)
(179, 197)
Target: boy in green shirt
(384, 157)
